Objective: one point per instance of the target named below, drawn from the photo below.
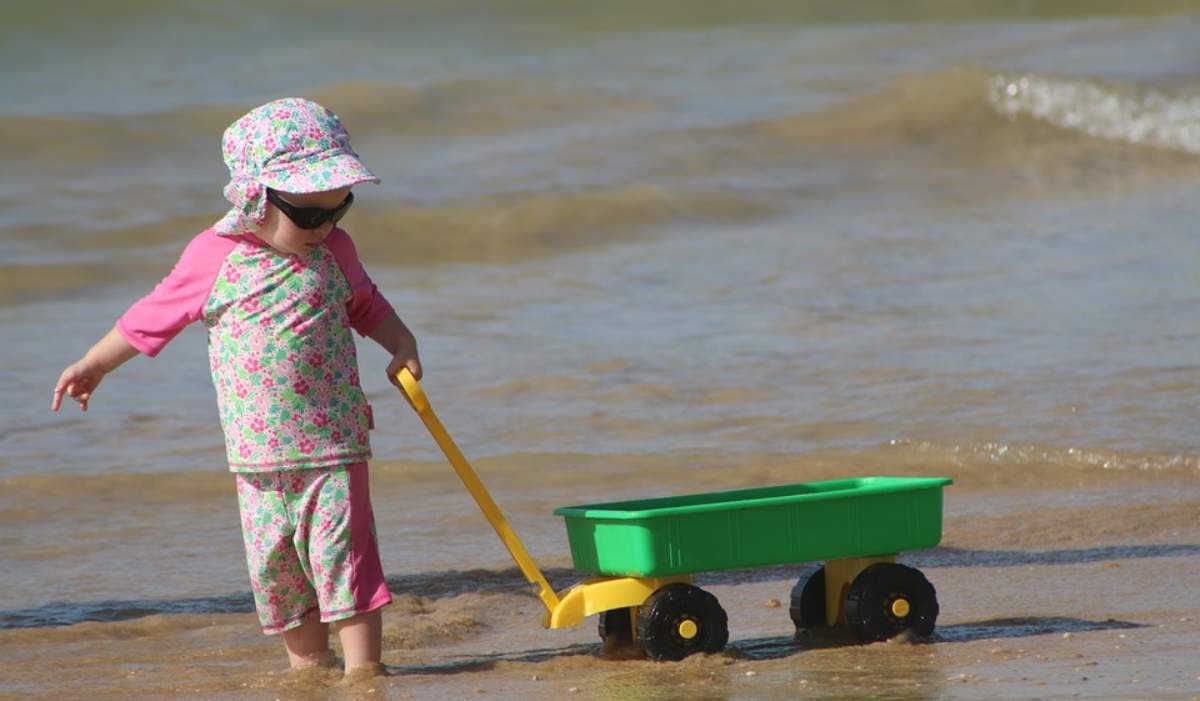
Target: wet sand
(1083, 589)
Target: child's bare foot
(312, 673)
(320, 660)
(363, 672)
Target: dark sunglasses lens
(340, 211)
(314, 217)
(309, 218)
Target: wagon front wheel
(887, 599)
(679, 620)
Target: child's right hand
(78, 381)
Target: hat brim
(317, 173)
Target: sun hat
(290, 145)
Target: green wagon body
(860, 517)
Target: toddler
(279, 286)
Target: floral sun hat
(290, 145)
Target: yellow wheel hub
(688, 629)
(901, 608)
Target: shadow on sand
(777, 647)
(992, 629)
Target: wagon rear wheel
(679, 620)
(808, 601)
(887, 599)
(616, 628)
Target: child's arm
(370, 314)
(394, 336)
(150, 324)
(81, 378)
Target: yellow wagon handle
(416, 397)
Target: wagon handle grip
(420, 403)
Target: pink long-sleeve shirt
(282, 357)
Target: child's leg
(283, 596)
(308, 644)
(337, 541)
(362, 640)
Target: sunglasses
(310, 217)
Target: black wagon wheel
(887, 599)
(808, 601)
(679, 620)
(616, 627)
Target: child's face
(282, 234)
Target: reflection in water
(955, 557)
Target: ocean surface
(647, 248)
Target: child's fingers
(70, 389)
(76, 385)
(412, 364)
(80, 392)
(60, 387)
(85, 389)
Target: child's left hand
(404, 359)
(394, 336)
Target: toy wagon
(641, 554)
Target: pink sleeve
(179, 299)
(367, 306)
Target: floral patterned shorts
(310, 544)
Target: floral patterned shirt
(282, 357)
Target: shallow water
(647, 250)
